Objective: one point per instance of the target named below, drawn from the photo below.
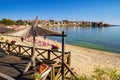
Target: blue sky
(83, 10)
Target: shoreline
(101, 49)
(84, 60)
(110, 52)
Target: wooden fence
(53, 58)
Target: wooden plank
(68, 67)
(8, 47)
(32, 51)
(13, 47)
(57, 62)
(43, 56)
(5, 46)
(52, 73)
(57, 56)
(19, 49)
(58, 65)
(58, 74)
(6, 52)
(69, 59)
(0, 44)
(66, 71)
(24, 46)
(49, 55)
(63, 53)
(42, 49)
(27, 66)
(40, 54)
(25, 50)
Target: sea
(100, 38)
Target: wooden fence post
(52, 73)
(8, 47)
(32, 51)
(19, 49)
(49, 55)
(63, 53)
(0, 44)
(69, 59)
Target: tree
(51, 21)
(65, 21)
(29, 23)
(20, 22)
(7, 21)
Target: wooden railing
(53, 58)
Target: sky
(107, 11)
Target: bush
(7, 41)
(99, 74)
(2, 38)
(7, 21)
(106, 74)
(113, 74)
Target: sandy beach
(84, 60)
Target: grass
(7, 41)
(99, 74)
(2, 38)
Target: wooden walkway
(14, 65)
(14, 58)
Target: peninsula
(52, 23)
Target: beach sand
(84, 60)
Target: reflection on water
(103, 38)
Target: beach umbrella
(38, 31)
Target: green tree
(51, 21)
(7, 21)
(0, 22)
(20, 22)
(29, 23)
(65, 21)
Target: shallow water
(105, 38)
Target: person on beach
(44, 37)
(54, 47)
(22, 39)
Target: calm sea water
(106, 38)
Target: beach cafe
(21, 61)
